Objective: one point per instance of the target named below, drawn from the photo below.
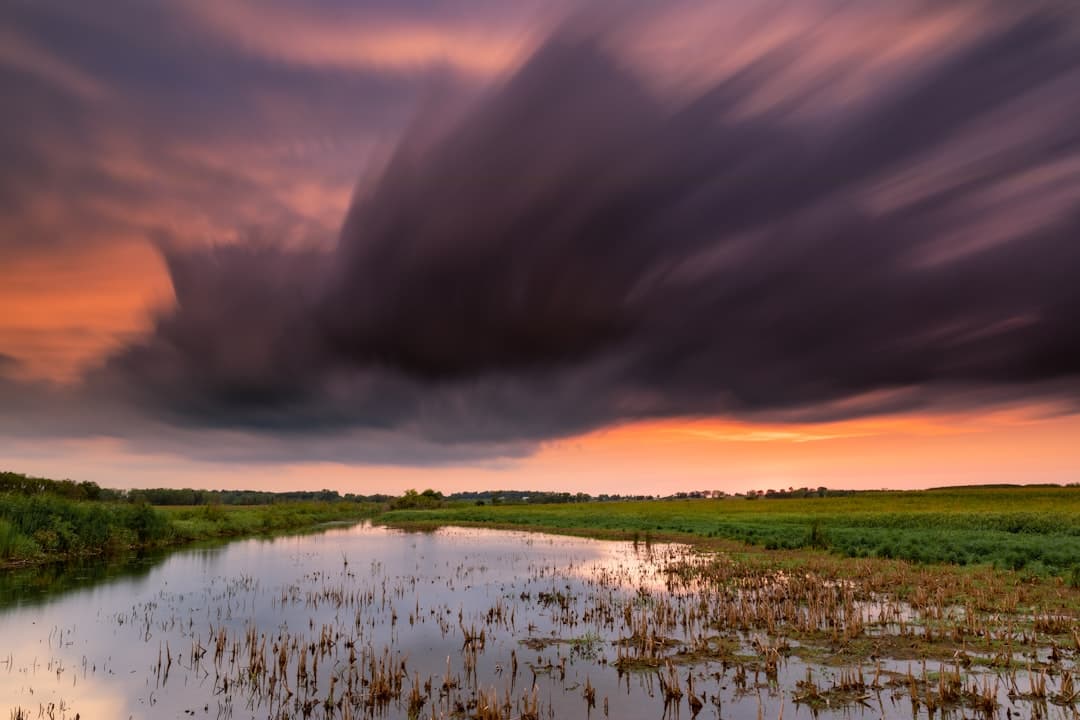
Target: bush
(412, 500)
(148, 524)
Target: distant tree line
(522, 497)
(20, 484)
(795, 493)
(187, 496)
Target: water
(372, 622)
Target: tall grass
(46, 526)
(210, 521)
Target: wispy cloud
(24, 55)
(365, 39)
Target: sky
(619, 247)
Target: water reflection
(465, 623)
(35, 585)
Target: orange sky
(1016, 446)
(63, 312)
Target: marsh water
(366, 621)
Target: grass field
(1034, 529)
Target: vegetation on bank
(1035, 529)
(215, 521)
(44, 519)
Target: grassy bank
(215, 521)
(43, 527)
(1033, 529)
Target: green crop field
(1035, 529)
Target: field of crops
(1035, 529)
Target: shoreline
(189, 526)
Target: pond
(366, 621)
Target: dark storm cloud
(576, 252)
(34, 410)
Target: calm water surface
(93, 650)
(456, 613)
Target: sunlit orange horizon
(1015, 446)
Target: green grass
(1034, 529)
(217, 521)
(41, 527)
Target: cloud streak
(576, 252)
